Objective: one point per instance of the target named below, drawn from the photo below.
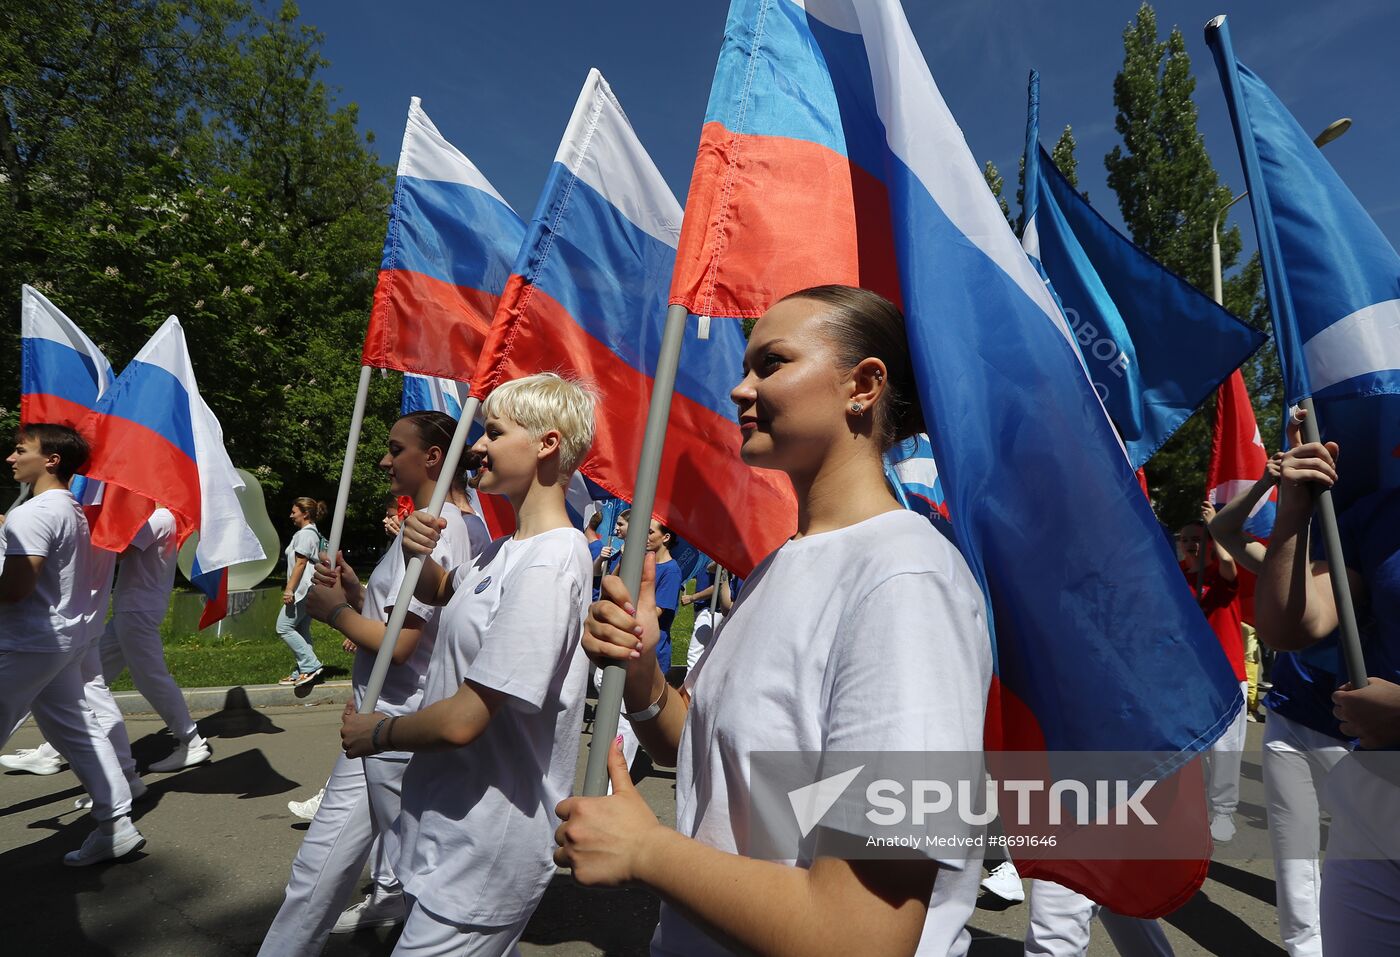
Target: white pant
(1059, 926)
(361, 802)
(427, 935)
(1223, 762)
(706, 622)
(1296, 759)
(945, 932)
(51, 684)
(132, 638)
(1360, 905)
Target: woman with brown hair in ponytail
(293, 621)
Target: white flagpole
(347, 468)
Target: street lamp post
(1333, 131)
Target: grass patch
(250, 652)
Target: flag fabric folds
(1237, 455)
(62, 375)
(587, 297)
(62, 372)
(913, 475)
(425, 392)
(825, 112)
(447, 255)
(1332, 278)
(1154, 345)
(152, 434)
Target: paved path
(221, 841)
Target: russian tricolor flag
(153, 435)
(588, 297)
(824, 112)
(447, 255)
(62, 372)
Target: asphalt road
(221, 840)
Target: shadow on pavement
(237, 719)
(617, 921)
(1219, 930)
(248, 775)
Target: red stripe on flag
(1138, 888)
(35, 407)
(424, 325)
(746, 194)
(729, 511)
(216, 608)
(141, 460)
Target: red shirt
(1219, 601)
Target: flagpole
(595, 779)
(23, 494)
(1281, 302)
(347, 468)
(414, 570)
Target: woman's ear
(868, 382)
(550, 442)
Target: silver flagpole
(595, 779)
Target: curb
(244, 697)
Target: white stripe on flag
(1364, 342)
(426, 154)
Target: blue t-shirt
(1303, 683)
(668, 598)
(702, 579)
(1370, 531)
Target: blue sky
(500, 79)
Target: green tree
(1169, 193)
(994, 182)
(183, 157)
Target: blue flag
(1332, 277)
(1154, 345)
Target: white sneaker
(101, 846)
(307, 809)
(138, 791)
(186, 755)
(33, 760)
(1005, 882)
(1222, 828)
(371, 912)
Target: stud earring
(856, 407)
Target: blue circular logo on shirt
(482, 585)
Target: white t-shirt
(147, 570)
(306, 543)
(403, 684)
(477, 825)
(868, 638)
(57, 615)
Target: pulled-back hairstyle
(315, 509)
(70, 447)
(861, 324)
(547, 401)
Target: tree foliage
(183, 157)
(994, 182)
(1169, 194)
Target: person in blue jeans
(293, 620)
